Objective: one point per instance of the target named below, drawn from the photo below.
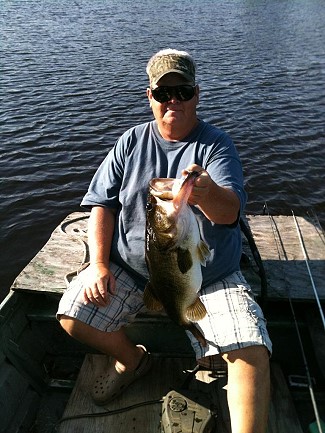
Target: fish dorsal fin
(184, 260)
(196, 311)
(150, 300)
(203, 252)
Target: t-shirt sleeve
(105, 186)
(224, 167)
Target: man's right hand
(100, 283)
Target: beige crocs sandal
(109, 385)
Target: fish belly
(176, 275)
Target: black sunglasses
(183, 92)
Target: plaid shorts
(233, 321)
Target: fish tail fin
(203, 252)
(196, 311)
(197, 334)
(150, 300)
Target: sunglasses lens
(161, 94)
(165, 93)
(185, 93)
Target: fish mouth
(190, 177)
(162, 187)
(173, 189)
(185, 189)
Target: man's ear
(197, 94)
(149, 94)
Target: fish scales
(175, 253)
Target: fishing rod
(317, 225)
(277, 239)
(309, 271)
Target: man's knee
(70, 325)
(253, 355)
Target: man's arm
(100, 234)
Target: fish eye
(149, 206)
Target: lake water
(73, 79)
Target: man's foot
(109, 385)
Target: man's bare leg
(248, 389)
(115, 344)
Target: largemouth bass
(174, 253)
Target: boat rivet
(178, 404)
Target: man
(108, 294)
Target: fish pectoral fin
(196, 311)
(184, 260)
(203, 252)
(150, 300)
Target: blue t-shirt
(121, 182)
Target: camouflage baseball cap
(169, 60)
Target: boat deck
(167, 374)
(276, 238)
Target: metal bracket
(299, 381)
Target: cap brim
(188, 77)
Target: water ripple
(73, 79)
